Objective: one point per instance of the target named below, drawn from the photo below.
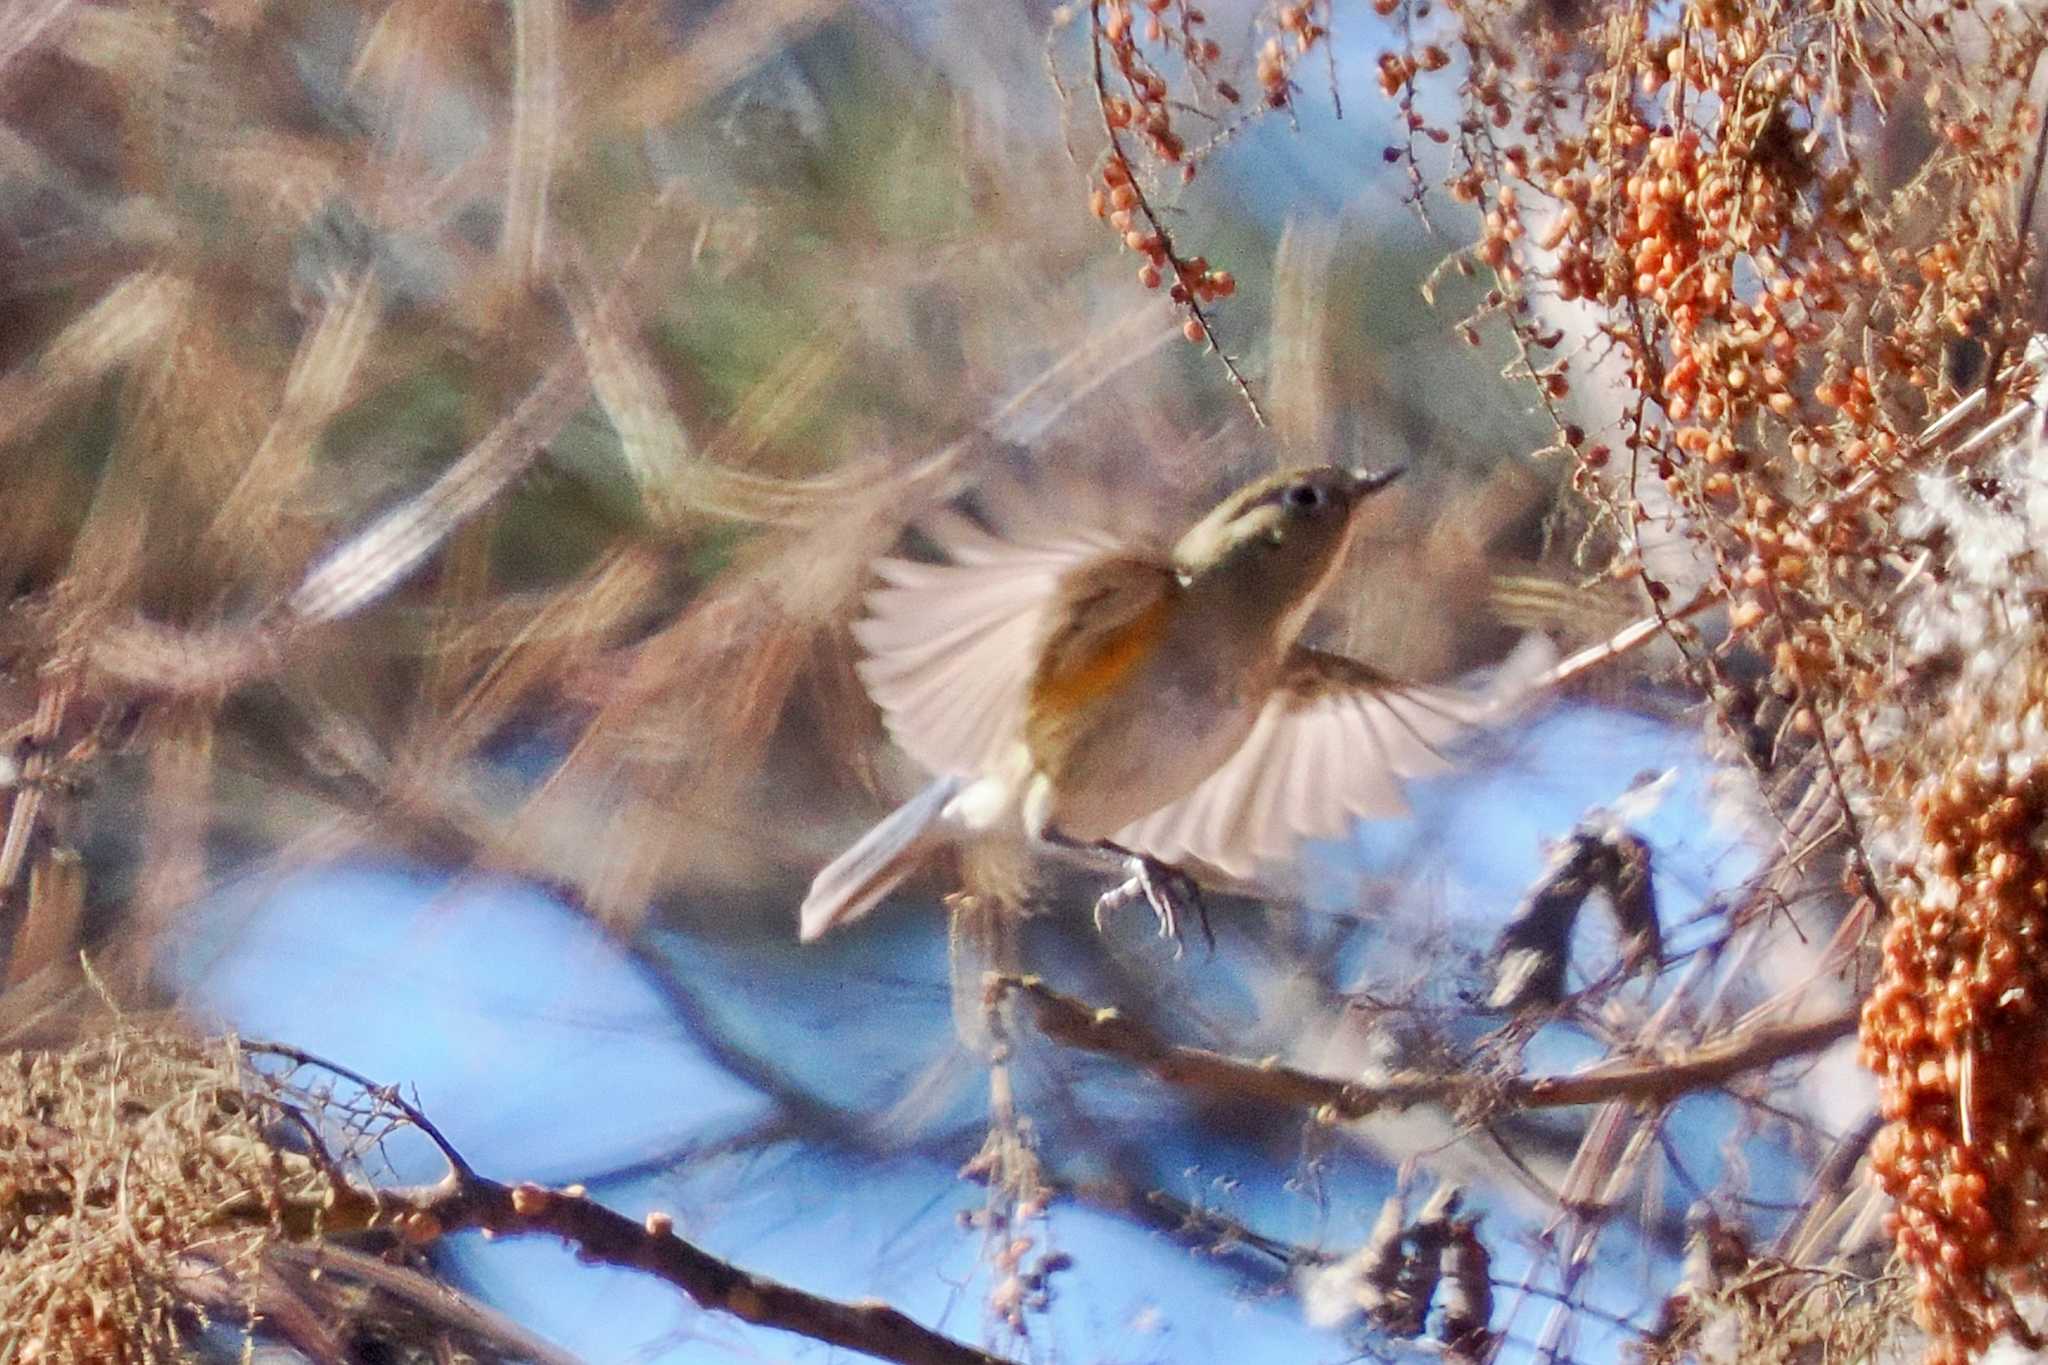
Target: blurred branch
(1626, 640)
(421, 1293)
(376, 559)
(1658, 1080)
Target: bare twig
(383, 1093)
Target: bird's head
(1278, 540)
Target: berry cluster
(1133, 43)
(1955, 1030)
(1299, 32)
(1785, 223)
(1119, 200)
(1144, 108)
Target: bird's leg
(1165, 888)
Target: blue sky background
(546, 1052)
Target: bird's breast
(1138, 723)
(1083, 668)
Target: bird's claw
(1168, 891)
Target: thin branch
(1179, 271)
(385, 1094)
(464, 1199)
(1648, 1080)
(1626, 640)
(600, 1235)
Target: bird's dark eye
(1304, 495)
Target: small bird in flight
(1154, 706)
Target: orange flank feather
(1080, 671)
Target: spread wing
(1333, 743)
(951, 647)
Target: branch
(1700, 1068)
(383, 1094)
(600, 1235)
(376, 559)
(1180, 272)
(464, 1200)
(1650, 1080)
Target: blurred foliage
(460, 432)
(281, 307)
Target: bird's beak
(1366, 483)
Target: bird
(1146, 704)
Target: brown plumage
(1157, 702)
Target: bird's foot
(1168, 891)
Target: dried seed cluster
(1789, 221)
(1954, 1028)
(1781, 321)
(1406, 1268)
(1532, 954)
(1730, 1303)
(124, 1162)
(1955, 1032)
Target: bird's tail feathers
(856, 881)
